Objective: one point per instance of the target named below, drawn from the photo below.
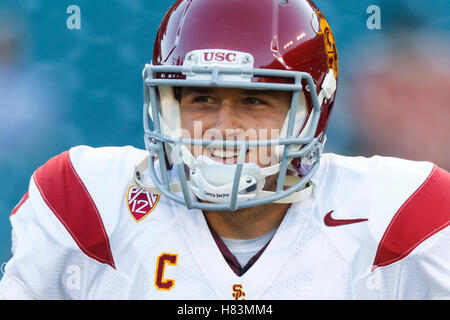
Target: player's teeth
(224, 153)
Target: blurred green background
(60, 87)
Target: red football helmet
(259, 44)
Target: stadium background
(60, 88)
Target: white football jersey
(376, 228)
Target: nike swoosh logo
(331, 222)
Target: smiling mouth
(227, 156)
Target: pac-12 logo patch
(140, 203)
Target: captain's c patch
(140, 203)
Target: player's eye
(203, 99)
(253, 101)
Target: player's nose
(227, 120)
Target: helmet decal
(330, 44)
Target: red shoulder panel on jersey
(66, 195)
(426, 212)
(21, 202)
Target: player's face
(233, 114)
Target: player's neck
(247, 223)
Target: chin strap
(307, 192)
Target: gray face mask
(228, 187)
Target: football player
(233, 197)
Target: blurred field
(61, 87)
